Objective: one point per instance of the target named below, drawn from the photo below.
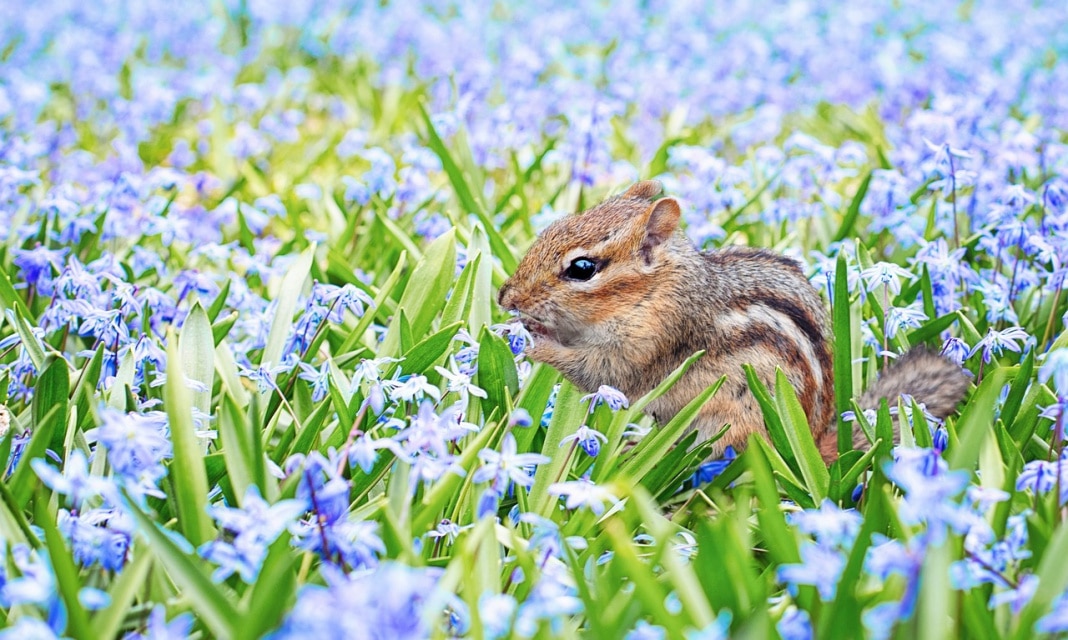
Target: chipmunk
(619, 296)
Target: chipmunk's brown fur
(655, 300)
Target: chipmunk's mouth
(537, 329)
(556, 334)
(534, 327)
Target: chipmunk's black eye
(581, 269)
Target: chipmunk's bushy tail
(930, 379)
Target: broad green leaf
(238, 444)
(496, 371)
(482, 298)
(424, 296)
(799, 434)
(29, 341)
(422, 356)
(52, 391)
(11, 300)
(976, 421)
(288, 296)
(226, 367)
(933, 617)
(781, 543)
(188, 479)
(456, 308)
(568, 414)
(198, 357)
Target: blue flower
(159, 629)
(501, 468)
(1055, 367)
(711, 469)
(581, 493)
(36, 266)
(830, 525)
(997, 341)
(520, 418)
(250, 531)
(645, 631)
(319, 379)
(1056, 621)
(820, 566)
(794, 625)
(390, 601)
(497, 612)
(589, 439)
(610, 396)
(136, 446)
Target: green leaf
(424, 296)
(1021, 380)
(11, 300)
(23, 480)
(29, 340)
(656, 445)
(850, 219)
(843, 355)
(466, 194)
(189, 574)
(781, 543)
(568, 414)
(934, 602)
(107, 622)
(497, 374)
(931, 329)
(220, 302)
(187, 475)
(813, 470)
(976, 421)
(52, 391)
(238, 446)
(273, 592)
(456, 308)
(288, 297)
(65, 571)
(197, 345)
(422, 356)
(772, 420)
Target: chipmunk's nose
(506, 296)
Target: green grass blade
(843, 354)
(65, 571)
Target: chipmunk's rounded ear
(646, 190)
(661, 221)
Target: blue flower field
(254, 381)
